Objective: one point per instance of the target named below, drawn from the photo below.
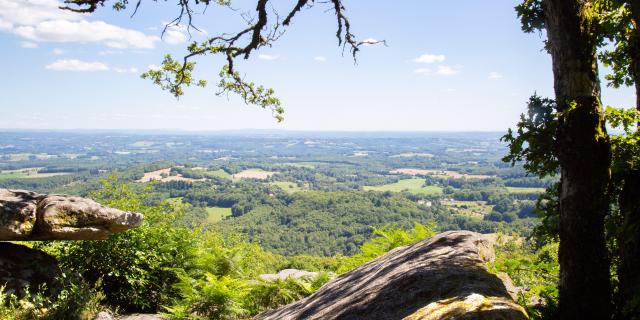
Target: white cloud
(369, 41)
(85, 31)
(494, 75)
(125, 70)
(76, 65)
(174, 37)
(57, 51)
(447, 70)
(43, 21)
(108, 52)
(5, 25)
(153, 67)
(320, 59)
(430, 58)
(32, 12)
(267, 57)
(440, 70)
(175, 34)
(28, 45)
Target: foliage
(547, 209)
(210, 297)
(531, 15)
(76, 301)
(326, 223)
(270, 294)
(190, 273)
(534, 141)
(135, 268)
(534, 269)
(617, 27)
(626, 145)
(384, 239)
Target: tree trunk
(628, 274)
(585, 157)
(629, 201)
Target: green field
(288, 187)
(11, 175)
(524, 190)
(216, 214)
(253, 173)
(220, 174)
(27, 173)
(414, 185)
(469, 208)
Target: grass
(525, 190)
(470, 208)
(414, 185)
(216, 214)
(254, 173)
(27, 173)
(26, 156)
(45, 175)
(13, 175)
(288, 187)
(219, 173)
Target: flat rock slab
(439, 278)
(27, 215)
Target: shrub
(384, 239)
(76, 301)
(535, 270)
(135, 269)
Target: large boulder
(26, 215)
(443, 277)
(23, 268)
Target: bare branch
(296, 9)
(262, 30)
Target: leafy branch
(261, 31)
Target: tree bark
(629, 241)
(629, 201)
(585, 157)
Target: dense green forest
(215, 223)
(301, 201)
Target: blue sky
(459, 65)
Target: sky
(460, 65)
